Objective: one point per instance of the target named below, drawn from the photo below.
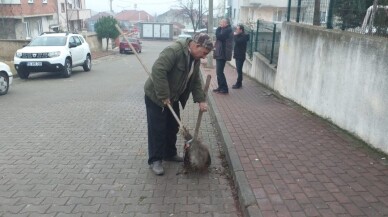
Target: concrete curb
(246, 197)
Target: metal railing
(265, 39)
(368, 17)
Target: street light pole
(210, 32)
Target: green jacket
(169, 76)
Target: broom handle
(206, 88)
(148, 72)
(174, 114)
(134, 51)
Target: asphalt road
(78, 147)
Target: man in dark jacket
(240, 48)
(222, 53)
(175, 74)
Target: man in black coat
(222, 53)
(240, 48)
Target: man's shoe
(176, 158)
(223, 92)
(216, 90)
(236, 86)
(157, 167)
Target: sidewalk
(289, 162)
(102, 53)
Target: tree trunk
(317, 13)
(107, 43)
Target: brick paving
(54, 159)
(290, 162)
(78, 147)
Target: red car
(125, 48)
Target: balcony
(78, 14)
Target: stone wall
(340, 76)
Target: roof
(178, 25)
(172, 11)
(99, 15)
(134, 16)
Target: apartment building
(268, 10)
(25, 19)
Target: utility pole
(210, 32)
(111, 8)
(200, 15)
(223, 9)
(67, 16)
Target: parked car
(125, 48)
(183, 36)
(5, 78)
(54, 52)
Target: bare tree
(193, 10)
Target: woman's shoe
(236, 86)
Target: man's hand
(166, 101)
(203, 106)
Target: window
(77, 41)
(82, 39)
(40, 27)
(72, 40)
(28, 31)
(30, 1)
(277, 15)
(63, 7)
(44, 1)
(12, 2)
(323, 16)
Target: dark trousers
(239, 67)
(162, 131)
(221, 79)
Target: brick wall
(26, 9)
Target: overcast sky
(150, 6)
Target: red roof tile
(134, 16)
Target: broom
(197, 155)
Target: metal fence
(265, 39)
(361, 16)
